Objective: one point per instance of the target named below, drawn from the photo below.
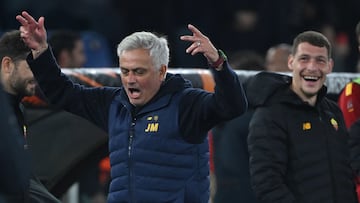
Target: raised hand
(33, 33)
(200, 44)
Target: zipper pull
(25, 130)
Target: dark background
(277, 21)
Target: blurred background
(244, 29)
(233, 25)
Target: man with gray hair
(157, 122)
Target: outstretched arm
(201, 110)
(90, 103)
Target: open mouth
(134, 90)
(311, 78)
(133, 93)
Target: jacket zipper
(131, 137)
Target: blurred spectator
(241, 28)
(349, 103)
(341, 52)
(15, 166)
(276, 59)
(228, 145)
(97, 51)
(18, 81)
(231, 161)
(340, 44)
(254, 25)
(68, 48)
(246, 60)
(349, 98)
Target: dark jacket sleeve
(15, 167)
(201, 110)
(267, 143)
(90, 103)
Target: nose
(131, 77)
(312, 64)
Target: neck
(310, 99)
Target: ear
(163, 70)
(331, 65)
(290, 62)
(6, 64)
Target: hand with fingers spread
(201, 44)
(33, 33)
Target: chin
(30, 92)
(135, 103)
(311, 93)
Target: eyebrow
(134, 69)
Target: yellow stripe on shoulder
(348, 89)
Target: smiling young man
(297, 137)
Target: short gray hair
(157, 46)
